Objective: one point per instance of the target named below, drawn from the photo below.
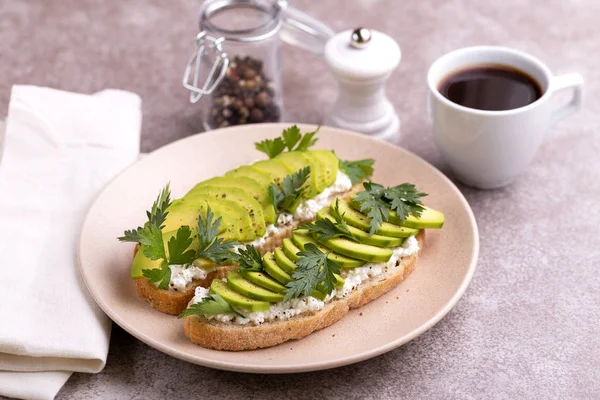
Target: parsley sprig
(291, 139)
(287, 197)
(377, 201)
(325, 229)
(210, 247)
(358, 170)
(313, 269)
(177, 251)
(250, 259)
(156, 216)
(211, 305)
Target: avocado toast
(258, 204)
(356, 251)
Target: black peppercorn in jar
(235, 72)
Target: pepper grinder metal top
(362, 60)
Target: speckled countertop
(527, 327)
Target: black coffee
(490, 87)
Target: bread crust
(174, 302)
(223, 336)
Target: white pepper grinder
(362, 61)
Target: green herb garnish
(287, 197)
(377, 201)
(325, 229)
(313, 269)
(358, 170)
(291, 139)
(156, 216)
(150, 236)
(211, 305)
(211, 247)
(250, 259)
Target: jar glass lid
(241, 20)
(255, 20)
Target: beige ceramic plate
(441, 277)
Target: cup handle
(562, 82)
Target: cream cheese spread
(352, 279)
(183, 275)
(307, 209)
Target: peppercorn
(256, 115)
(262, 99)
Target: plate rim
(297, 368)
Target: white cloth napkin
(60, 149)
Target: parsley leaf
(250, 259)
(325, 229)
(287, 197)
(162, 275)
(152, 238)
(377, 201)
(405, 199)
(291, 136)
(178, 245)
(271, 147)
(212, 305)
(292, 139)
(211, 247)
(307, 140)
(154, 248)
(156, 216)
(358, 170)
(131, 235)
(313, 268)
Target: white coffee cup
(489, 149)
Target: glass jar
(237, 60)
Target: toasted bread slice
(217, 335)
(174, 302)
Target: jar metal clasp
(206, 44)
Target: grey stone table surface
(528, 325)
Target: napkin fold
(60, 149)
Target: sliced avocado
(429, 219)
(361, 251)
(318, 173)
(237, 282)
(264, 280)
(362, 236)
(249, 203)
(296, 160)
(290, 249)
(283, 261)
(275, 167)
(142, 262)
(237, 300)
(275, 270)
(281, 276)
(235, 223)
(249, 185)
(262, 177)
(361, 221)
(300, 238)
(331, 163)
